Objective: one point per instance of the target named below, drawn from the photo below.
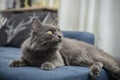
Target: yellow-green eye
(50, 32)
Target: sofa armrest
(82, 36)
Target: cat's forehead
(50, 27)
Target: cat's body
(48, 50)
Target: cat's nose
(59, 37)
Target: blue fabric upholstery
(35, 73)
(83, 36)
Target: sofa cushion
(17, 28)
(82, 36)
(3, 37)
(35, 73)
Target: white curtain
(101, 17)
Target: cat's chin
(57, 46)
(57, 41)
(54, 45)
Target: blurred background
(100, 17)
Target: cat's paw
(94, 71)
(16, 63)
(47, 66)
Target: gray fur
(49, 51)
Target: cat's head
(46, 35)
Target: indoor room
(59, 40)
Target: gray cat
(47, 48)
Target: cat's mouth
(60, 40)
(57, 39)
(54, 42)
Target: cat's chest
(36, 57)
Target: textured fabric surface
(17, 28)
(3, 37)
(83, 36)
(35, 73)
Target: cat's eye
(50, 32)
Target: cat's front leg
(52, 64)
(95, 70)
(56, 61)
(48, 66)
(17, 63)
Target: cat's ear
(36, 24)
(55, 22)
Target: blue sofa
(35, 73)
